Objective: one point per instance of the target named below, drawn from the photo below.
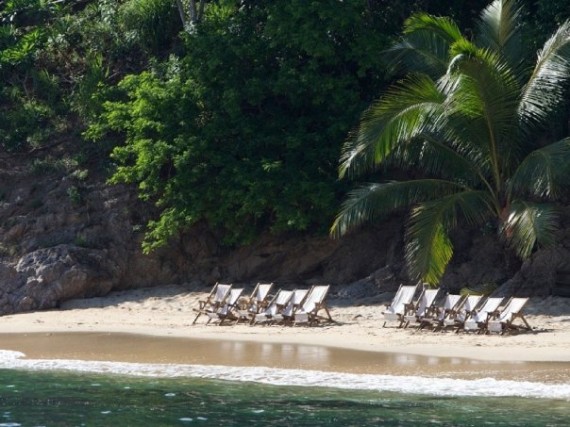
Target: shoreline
(165, 314)
(149, 350)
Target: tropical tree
(243, 130)
(470, 119)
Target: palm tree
(470, 115)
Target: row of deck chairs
(226, 304)
(458, 312)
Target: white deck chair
(256, 302)
(275, 308)
(448, 308)
(215, 299)
(294, 305)
(313, 303)
(457, 317)
(503, 322)
(479, 318)
(228, 310)
(400, 305)
(423, 307)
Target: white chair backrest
(426, 300)
(449, 303)
(406, 295)
(297, 298)
(230, 301)
(262, 291)
(517, 304)
(299, 295)
(316, 296)
(468, 305)
(491, 305)
(222, 292)
(235, 293)
(514, 306)
(281, 299)
(471, 302)
(397, 297)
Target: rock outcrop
(66, 235)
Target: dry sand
(134, 326)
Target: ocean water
(82, 393)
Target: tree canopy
(472, 117)
(243, 130)
(233, 113)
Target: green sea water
(58, 398)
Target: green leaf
(500, 30)
(427, 255)
(428, 248)
(425, 45)
(544, 91)
(408, 109)
(544, 172)
(373, 201)
(528, 224)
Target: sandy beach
(155, 325)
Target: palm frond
(544, 91)
(483, 85)
(425, 45)
(500, 30)
(372, 201)
(427, 259)
(436, 154)
(528, 224)
(398, 117)
(544, 171)
(428, 248)
(484, 103)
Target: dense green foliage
(244, 130)
(471, 120)
(237, 121)
(54, 60)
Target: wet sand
(164, 350)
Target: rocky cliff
(65, 233)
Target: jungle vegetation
(471, 118)
(235, 113)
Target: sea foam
(487, 387)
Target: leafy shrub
(153, 23)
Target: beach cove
(148, 333)
(168, 312)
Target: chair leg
(196, 318)
(526, 324)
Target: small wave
(488, 387)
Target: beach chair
(456, 318)
(274, 310)
(256, 302)
(448, 308)
(422, 308)
(503, 321)
(312, 305)
(214, 300)
(478, 319)
(400, 305)
(288, 313)
(229, 309)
